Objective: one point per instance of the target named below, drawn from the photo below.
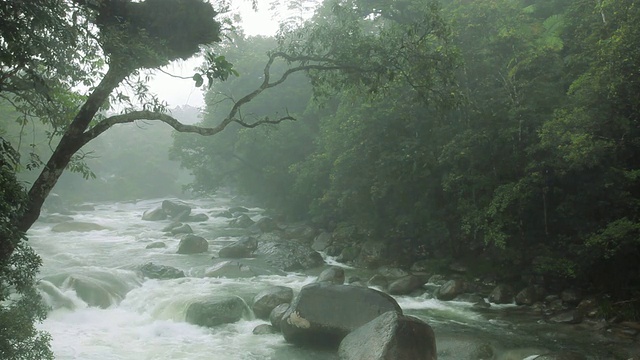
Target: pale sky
(178, 92)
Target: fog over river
(145, 318)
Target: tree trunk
(71, 142)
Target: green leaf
(198, 79)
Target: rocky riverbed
(170, 279)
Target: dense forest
(500, 134)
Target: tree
(20, 303)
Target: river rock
(154, 271)
(264, 329)
(405, 285)
(323, 314)
(373, 253)
(238, 209)
(243, 221)
(99, 289)
(421, 266)
(171, 226)
(392, 272)
(216, 312)
(567, 317)
(79, 226)
(275, 317)
(450, 289)
(182, 229)
(197, 218)
(236, 269)
(348, 254)
(192, 244)
(530, 295)
(267, 300)
(176, 210)
(322, 241)
(333, 275)
(289, 255)
(570, 296)
(156, 245)
(265, 224)
(565, 355)
(378, 280)
(242, 248)
(156, 214)
(390, 336)
(502, 294)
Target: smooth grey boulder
(267, 300)
(182, 229)
(264, 329)
(242, 248)
(390, 336)
(153, 271)
(242, 221)
(450, 289)
(192, 244)
(502, 294)
(323, 314)
(216, 312)
(289, 255)
(265, 225)
(378, 280)
(405, 285)
(156, 245)
(176, 209)
(275, 317)
(156, 214)
(322, 241)
(333, 275)
(373, 253)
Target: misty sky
(178, 92)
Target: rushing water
(144, 318)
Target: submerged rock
(79, 226)
(323, 314)
(390, 336)
(154, 271)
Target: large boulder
(242, 221)
(156, 214)
(405, 285)
(450, 289)
(530, 295)
(242, 248)
(176, 210)
(197, 218)
(265, 224)
(323, 314)
(322, 241)
(390, 336)
(182, 229)
(373, 253)
(276, 315)
(79, 226)
(236, 269)
(289, 255)
(502, 294)
(333, 275)
(192, 244)
(153, 271)
(216, 312)
(267, 300)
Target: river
(144, 318)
